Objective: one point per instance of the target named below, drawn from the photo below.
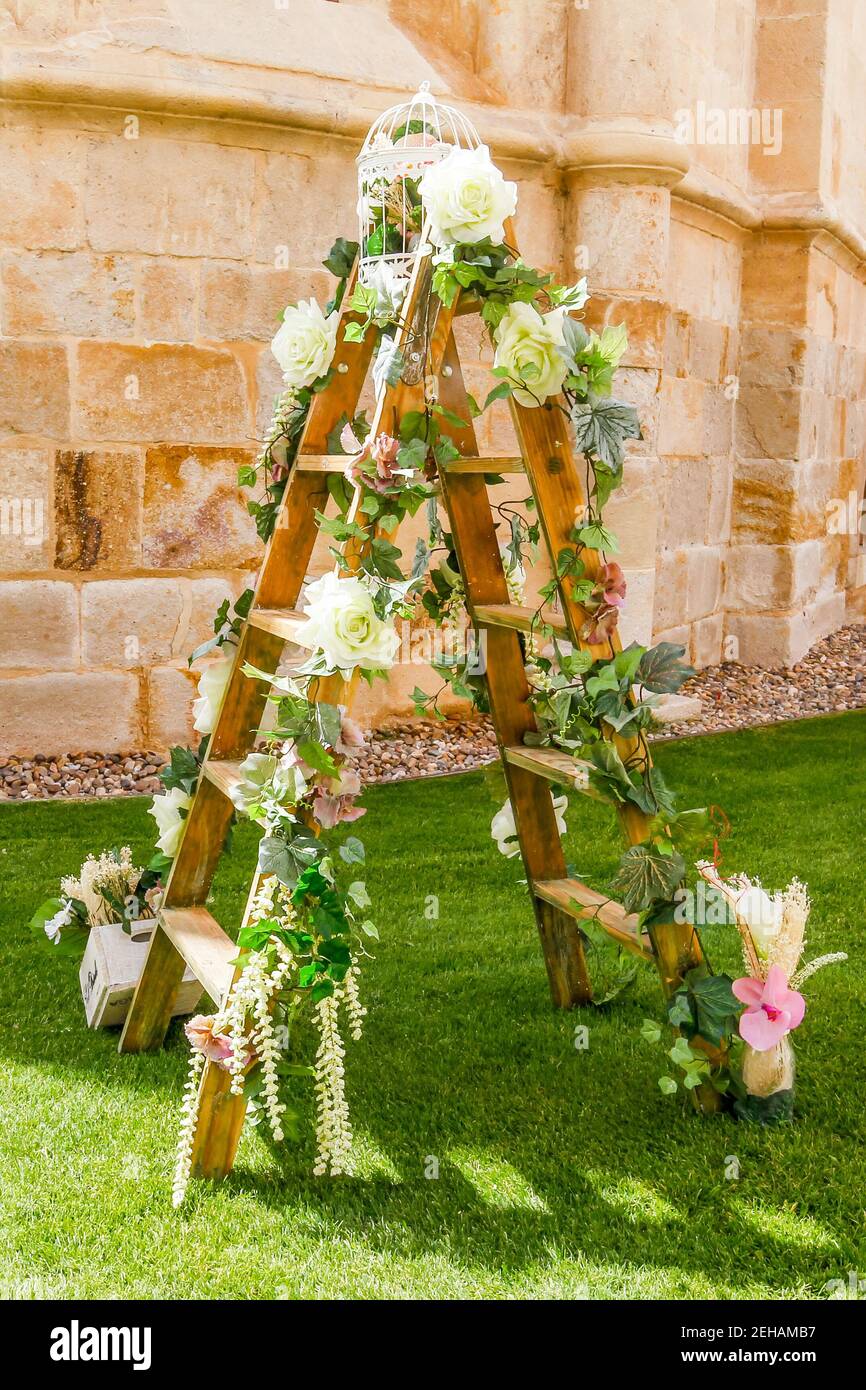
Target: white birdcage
(400, 145)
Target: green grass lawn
(561, 1173)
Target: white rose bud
(212, 682)
(166, 811)
(504, 830)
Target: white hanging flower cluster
(355, 1011)
(186, 1135)
(333, 1128)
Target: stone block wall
(171, 176)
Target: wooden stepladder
(187, 934)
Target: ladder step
(553, 765)
(224, 775)
(496, 463)
(336, 463)
(578, 901)
(322, 463)
(205, 947)
(520, 619)
(282, 622)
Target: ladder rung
(520, 619)
(282, 622)
(204, 946)
(575, 898)
(222, 774)
(551, 764)
(322, 463)
(496, 463)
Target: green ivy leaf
(598, 537)
(341, 258)
(601, 428)
(661, 669)
(645, 877)
(352, 850)
(716, 1007)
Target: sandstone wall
(171, 174)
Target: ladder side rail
(474, 532)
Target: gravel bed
(831, 678)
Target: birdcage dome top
(406, 125)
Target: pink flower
(351, 734)
(599, 627)
(382, 452)
(334, 799)
(349, 440)
(215, 1046)
(604, 603)
(611, 581)
(772, 1010)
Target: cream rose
(342, 623)
(762, 914)
(527, 345)
(166, 811)
(504, 830)
(466, 198)
(212, 682)
(305, 342)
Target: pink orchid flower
(772, 1009)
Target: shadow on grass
(548, 1159)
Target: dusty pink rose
(334, 799)
(611, 582)
(382, 453)
(772, 1009)
(215, 1046)
(607, 598)
(599, 627)
(351, 734)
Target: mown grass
(561, 1173)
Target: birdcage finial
(400, 145)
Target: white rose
(466, 198)
(762, 914)
(305, 342)
(527, 344)
(504, 830)
(342, 623)
(166, 811)
(212, 683)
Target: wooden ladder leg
(468, 508)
